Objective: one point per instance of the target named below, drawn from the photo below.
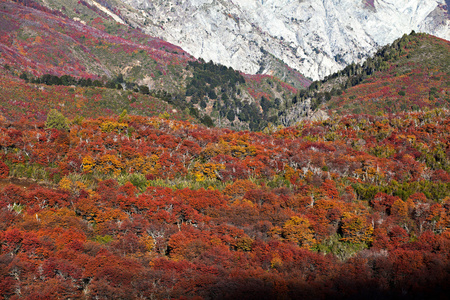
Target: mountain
(415, 77)
(42, 41)
(101, 44)
(410, 74)
(38, 40)
(314, 37)
(111, 189)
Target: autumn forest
(110, 190)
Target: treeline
(356, 73)
(248, 112)
(67, 80)
(202, 87)
(233, 102)
(119, 83)
(208, 76)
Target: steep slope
(313, 37)
(37, 40)
(114, 12)
(417, 76)
(410, 74)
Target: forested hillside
(411, 74)
(23, 101)
(136, 207)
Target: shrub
(56, 120)
(4, 170)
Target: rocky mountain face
(314, 37)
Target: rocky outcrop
(314, 37)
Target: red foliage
(383, 202)
(4, 170)
(182, 235)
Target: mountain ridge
(410, 74)
(313, 37)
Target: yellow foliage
(355, 229)
(411, 138)
(298, 230)
(110, 214)
(206, 171)
(164, 115)
(244, 203)
(88, 164)
(144, 165)
(155, 122)
(109, 164)
(240, 149)
(215, 241)
(247, 202)
(244, 243)
(199, 177)
(79, 185)
(212, 150)
(290, 172)
(65, 183)
(148, 241)
(400, 209)
(276, 261)
(109, 126)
